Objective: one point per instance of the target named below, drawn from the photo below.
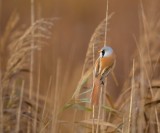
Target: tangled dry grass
(139, 100)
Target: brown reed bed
(135, 111)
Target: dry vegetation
(26, 109)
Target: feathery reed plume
(96, 43)
(5, 37)
(19, 49)
(97, 40)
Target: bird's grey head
(106, 51)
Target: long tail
(96, 91)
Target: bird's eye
(103, 52)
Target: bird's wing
(97, 67)
(106, 70)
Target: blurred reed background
(61, 33)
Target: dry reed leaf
(101, 123)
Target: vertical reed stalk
(45, 103)
(93, 107)
(37, 95)
(110, 102)
(102, 87)
(103, 103)
(1, 105)
(105, 35)
(32, 50)
(0, 30)
(157, 120)
(32, 59)
(142, 95)
(131, 100)
(74, 118)
(56, 98)
(19, 109)
(123, 125)
(99, 109)
(12, 93)
(1, 95)
(93, 113)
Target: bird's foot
(102, 83)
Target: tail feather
(96, 91)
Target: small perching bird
(103, 65)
